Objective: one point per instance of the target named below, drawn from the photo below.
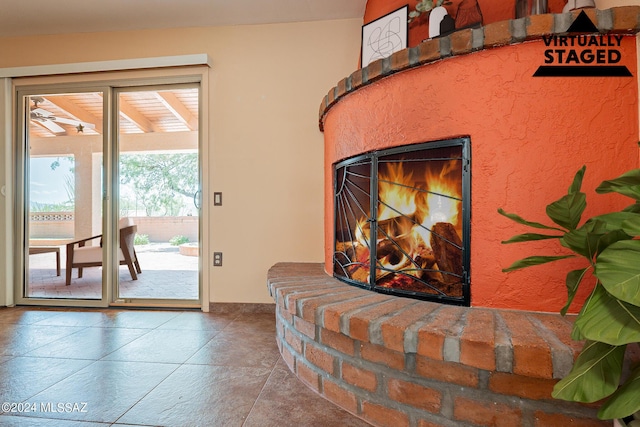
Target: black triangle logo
(582, 24)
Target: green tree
(160, 181)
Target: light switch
(217, 199)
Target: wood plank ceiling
(140, 112)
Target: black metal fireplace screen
(402, 221)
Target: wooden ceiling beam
(136, 117)
(75, 111)
(178, 109)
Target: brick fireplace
(397, 361)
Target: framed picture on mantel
(385, 35)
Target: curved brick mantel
(620, 20)
(401, 362)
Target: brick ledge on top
(530, 344)
(620, 20)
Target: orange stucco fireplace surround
(396, 361)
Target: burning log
(446, 249)
(396, 226)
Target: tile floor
(103, 367)
(166, 274)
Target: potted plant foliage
(609, 320)
(426, 6)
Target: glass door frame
(21, 264)
(108, 83)
(116, 300)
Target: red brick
(378, 354)
(319, 357)
(461, 42)
(294, 341)
(539, 25)
(429, 51)
(359, 322)
(449, 372)
(331, 96)
(624, 18)
(341, 88)
(517, 385)
(310, 306)
(341, 397)
(432, 334)
(293, 297)
(284, 291)
(561, 327)
(486, 413)
(477, 343)
(304, 327)
(308, 376)
(288, 358)
(414, 395)
(497, 33)
(425, 423)
(356, 79)
(393, 329)
(543, 419)
(383, 416)
(286, 316)
(374, 70)
(337, 341)
(531, 353)
(333, 312)
(400, 60)
(359, 377)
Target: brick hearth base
(400, 362)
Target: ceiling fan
(50, 120)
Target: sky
(47, 185)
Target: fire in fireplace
(402, 221)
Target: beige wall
(266, 152)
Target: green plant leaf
(627, 184)
(612, 221)
(625, 401)
(534, 260)
(528, 237)
(610, 238)
(596, 234)
(567, 211)
(631, 225)
(595, 374)
(635, 208)
(582, 241)
(618, 268)
(573, 282)
(607, 319)
(523, 221)
(577, 181)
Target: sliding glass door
(63, 192)
(109, 182)
(158, 159)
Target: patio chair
(81, 256)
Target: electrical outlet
(217, 259)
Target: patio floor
(166, 274)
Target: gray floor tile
(201, 396)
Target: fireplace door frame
(371, 160)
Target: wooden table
(34, 250)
